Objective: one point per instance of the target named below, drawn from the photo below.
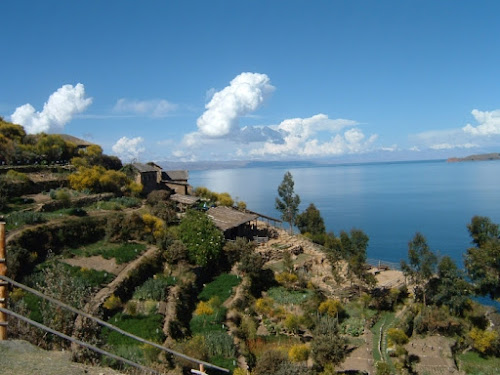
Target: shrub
(153, 289)
(264, 305)
(112, 303)
(201, 237)
(204, 308)
(483, 340)
(220, 344)
(292, 323)
(157, 196)
(298, 353)
(396, 336)
(332, 307)
(286, 278)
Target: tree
(288, 205)
(450, 287)
(201, 237)
(328, 346)
(310, 221)
(483, 261)
(422, 263)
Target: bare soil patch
(434, 355)
(20, 358)
(96, 262)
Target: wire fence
(102, 323)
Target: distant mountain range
(479, 157)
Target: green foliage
(299, 353)
(117, 204)
(328, 346)
(19, 218)
(221, 287)
(310, 221)
(284, 296)
(148, 327)
(201, 237)
(288, 202)
(483, 261)
(220, 344)
(474, 363)
(450, 287)
(234, 249)
(422, 263)
(123, 253)
(203, 323)
(155, 288)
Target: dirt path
(361, 358)
(19, 357)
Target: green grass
(387, 320)
(202, 324)
(18, 219)
(473, 364)
(221, 287)
(117, 204)
(284, 296)
(154, 288)
(123, 253)
(148, 327)
(92, 277)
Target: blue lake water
(388, 201)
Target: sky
(256, 80)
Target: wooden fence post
(3, 285)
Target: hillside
(478, 157)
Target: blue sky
(263, 80)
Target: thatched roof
(226, 218)
(175, 175)
(142, 168)
(184, 199)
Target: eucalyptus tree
(422, 264)
(288, 202)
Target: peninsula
(478, 157)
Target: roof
(77, 141)
(142, 168)
(185, 199)
(175, 175)
(226, 218)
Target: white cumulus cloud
(129, 148)
(489, 123)
(61, 107)
(153, 108)
(301, 138)
(245, 94)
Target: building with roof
(233, 223)
(153, 177)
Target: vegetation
(122, 253)
(287, 201)
(290, 315)
(202, 238)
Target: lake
(390, 202)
